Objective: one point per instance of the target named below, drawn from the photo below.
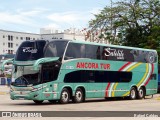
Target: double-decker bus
(64, 70)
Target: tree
(105, 23)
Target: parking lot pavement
(4, 89)
(148, 104)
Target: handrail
(5, 62)
(43, 60)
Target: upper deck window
(30, 50)
(77, 50)
(93, 52)
(55, 49)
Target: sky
(31, 15)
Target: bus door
(93, 85)
(47, 78)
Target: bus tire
(38, 101)
(133, 93)
(141, 93)
(79, 96)
(65, 96)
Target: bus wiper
(30, 85)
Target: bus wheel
(65, 96)
(52, 101)
(141, 93)
(79, 96)
(133, 93)
(38, 101)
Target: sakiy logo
(29, 50)
(114, 52)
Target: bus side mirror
(6, 62)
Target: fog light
(35, 95)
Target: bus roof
(101, 44)
(117, 46)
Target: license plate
(21, 93)
(21, 98)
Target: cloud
(43, 17)
(66, 17)
(21, 17)
(7, 17)
(52, 25)
(78, 19)
(34, 12)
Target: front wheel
(141, 93)
(65, 96)
(38, 101)
(133, 93)
(79, 96)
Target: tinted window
(74, 77)
(91, 76)
(30, 50)
(75, 50)
(55, 49)
(50, 72)
(93, 52)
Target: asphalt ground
(112, 105)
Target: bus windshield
(25, 75)
(33, 50)
(30, 50)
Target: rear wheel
(133, 93)
(38, 101)
(141, 93)
(65, 96)
(79, 96)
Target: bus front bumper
(24, 95)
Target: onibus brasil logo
(21, 114)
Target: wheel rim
(133, 94)
(141, 93)
(79, 95)
(65, 96)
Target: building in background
(71, 34)
(10, 40)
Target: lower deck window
(89, 76)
